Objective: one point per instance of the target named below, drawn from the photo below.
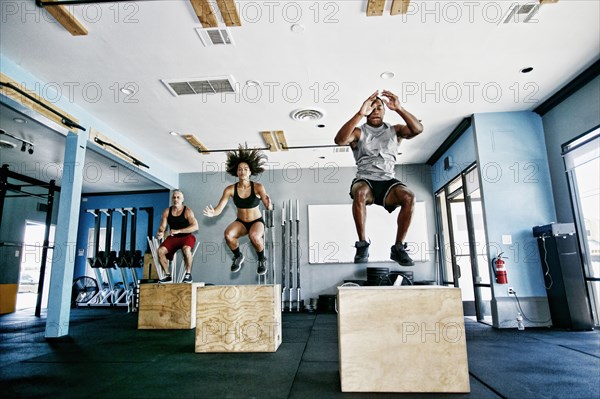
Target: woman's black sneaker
(236, 265)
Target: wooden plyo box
(167, 306)
(8, 298)
(238, 318)
(149, 271)
(402, 339)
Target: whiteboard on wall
(332, 234)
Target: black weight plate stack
(378, 276)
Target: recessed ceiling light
(7, 144)
(19, 120)
(113, 166)
(321, 126)
(387, 75)
(527, 70)
(252, 83)
(174, 133)
(127, 90)
(297, 28)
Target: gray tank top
(375, 152)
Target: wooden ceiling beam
(62, 15)
(375, 8)
(399, 7)
(229, 12)
(269, 141)
(280, 136)
(205, 13)
(196, 143)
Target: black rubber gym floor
(106, 356)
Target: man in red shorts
(182, 223)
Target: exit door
(463, 260)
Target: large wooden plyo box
(402, 339)
(168, 306)
(238, 318)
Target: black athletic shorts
(247, 225)
(380, 190)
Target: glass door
(480, 265)
(30, 269)
(582, 162)
(463, 260)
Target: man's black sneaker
(399, 254)
(237, 263)
(362, 252)
(187, 278)
(262, 266)
(165, 279)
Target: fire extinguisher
(500, 268)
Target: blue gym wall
(517, 195)
(461, 154)
(158, 200)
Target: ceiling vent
(7, 145)
(215, 37)
(521, 13)
(307, 114)
(180, 87)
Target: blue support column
(61, 279)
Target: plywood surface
(149, 270)
(238, 318)
(402, 339)
(167, 306)
(8, 298)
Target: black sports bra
(252, 201)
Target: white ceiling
(450, 60)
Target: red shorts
(175, 243)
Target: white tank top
(375, 152)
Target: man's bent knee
(400, 196)
(362, 194)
